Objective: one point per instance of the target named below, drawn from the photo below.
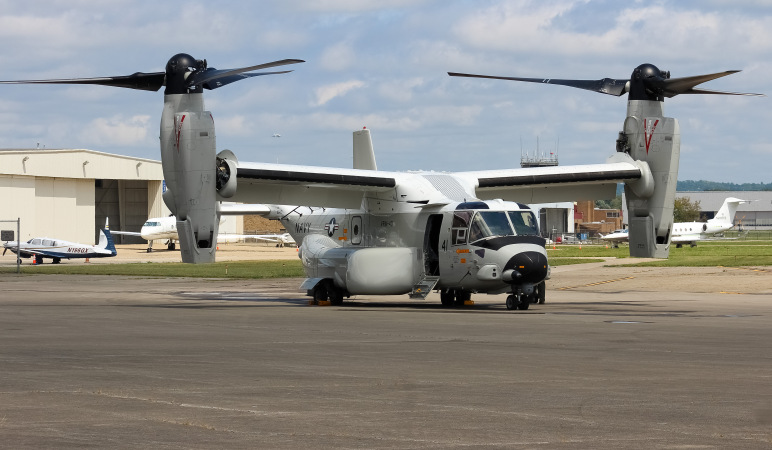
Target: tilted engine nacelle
(168, 199)
(227, 165)
(188, 155)
(654, 140)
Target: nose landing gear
(518, 301)
(522, 296)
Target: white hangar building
(67, 194)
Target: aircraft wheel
(320, 292)
(336, 297)
(447, 297)
(38, 260)
(57, 260)
(150, 249)
(525, 302)
(171, 246)
(542, 292)
(511, 302)
(462, 296)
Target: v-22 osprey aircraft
(369, 232)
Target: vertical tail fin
(106, 239)
(728, 210)
(364, 156)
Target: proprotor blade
(143, 81)
(608, 86)
(209, 75)
(675, 86)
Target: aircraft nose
(527, 267)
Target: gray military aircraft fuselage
(390, 247)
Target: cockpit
(473, 226)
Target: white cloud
(338, 57)
(326, 93)
(116, 131)
(400, 90)
(234, 125)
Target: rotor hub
(648, 83)
(178, 69)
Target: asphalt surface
(616, 358)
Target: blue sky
(383, 64)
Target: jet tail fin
(106, 239)
(728, 210)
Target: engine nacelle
(227, 166)
(168, 198)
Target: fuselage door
(356, 230)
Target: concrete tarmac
(617, 358)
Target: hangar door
(125, 203)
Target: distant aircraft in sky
(58, 249)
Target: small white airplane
(58, 249)
(616, 237)
(691, 232)
(165, 228)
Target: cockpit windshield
(524, 222)
(489, 223)
(498, 223)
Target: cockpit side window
(459, 226)
(489, 223)
(49, 243)
(524, 222)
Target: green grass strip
(226, 269)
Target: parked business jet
(691, 232)
(165, 228)
(58, 249)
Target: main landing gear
(454, 297)
(171, 245)
(326, 290)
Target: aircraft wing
(307, 185)
(553, 184)
(243, 209)
(126, 233)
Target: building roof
(77, 163)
